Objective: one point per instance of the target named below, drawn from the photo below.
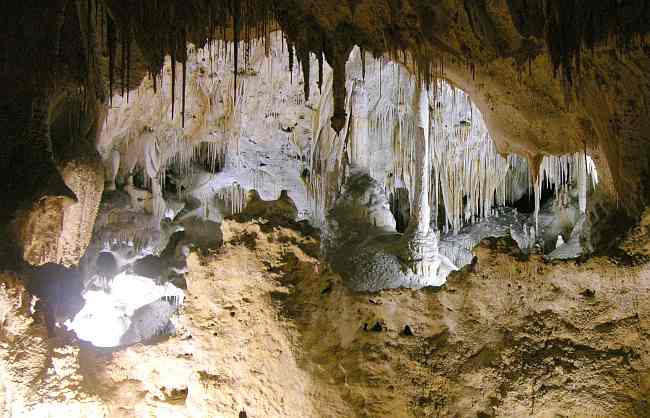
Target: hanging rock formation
(504, 54)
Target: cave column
(581, 174)
(359, 134)
(420, 241)
(421, 216)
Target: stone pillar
(581, 174)
(421, 215)
(421, 243)
(359, 134)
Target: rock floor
(269, 331)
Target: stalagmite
(421, 216)
(158, 203)
(141, 200)
(110, 42)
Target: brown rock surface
(268, 330)
(38, 376)
(58, 229)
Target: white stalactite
(581, 174)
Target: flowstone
(361, 243)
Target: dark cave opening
(526, 203)
(400, 208)
(58, 290)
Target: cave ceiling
(550, 76)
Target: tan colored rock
(57, 229)
(39, 229)
(37, 377)
(267, 329)
(86, 180)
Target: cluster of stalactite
(122, 40)
(566, 29)
(175, 25)
(469, 178)
(165, 27)
(138, 137)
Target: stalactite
(290, 48)
(536, 174)
(211, 35)
(110, 42)
(267, 42)
(173, 68)
(100, 11)
(306, 68)
(236, 11)
(89, 28)
(234, 198)
(338, 56)
(184, 49)
(320, 71)
(128, 66)
(124, 35)
(380, 75)
(359, 133)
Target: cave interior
(361, 208)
